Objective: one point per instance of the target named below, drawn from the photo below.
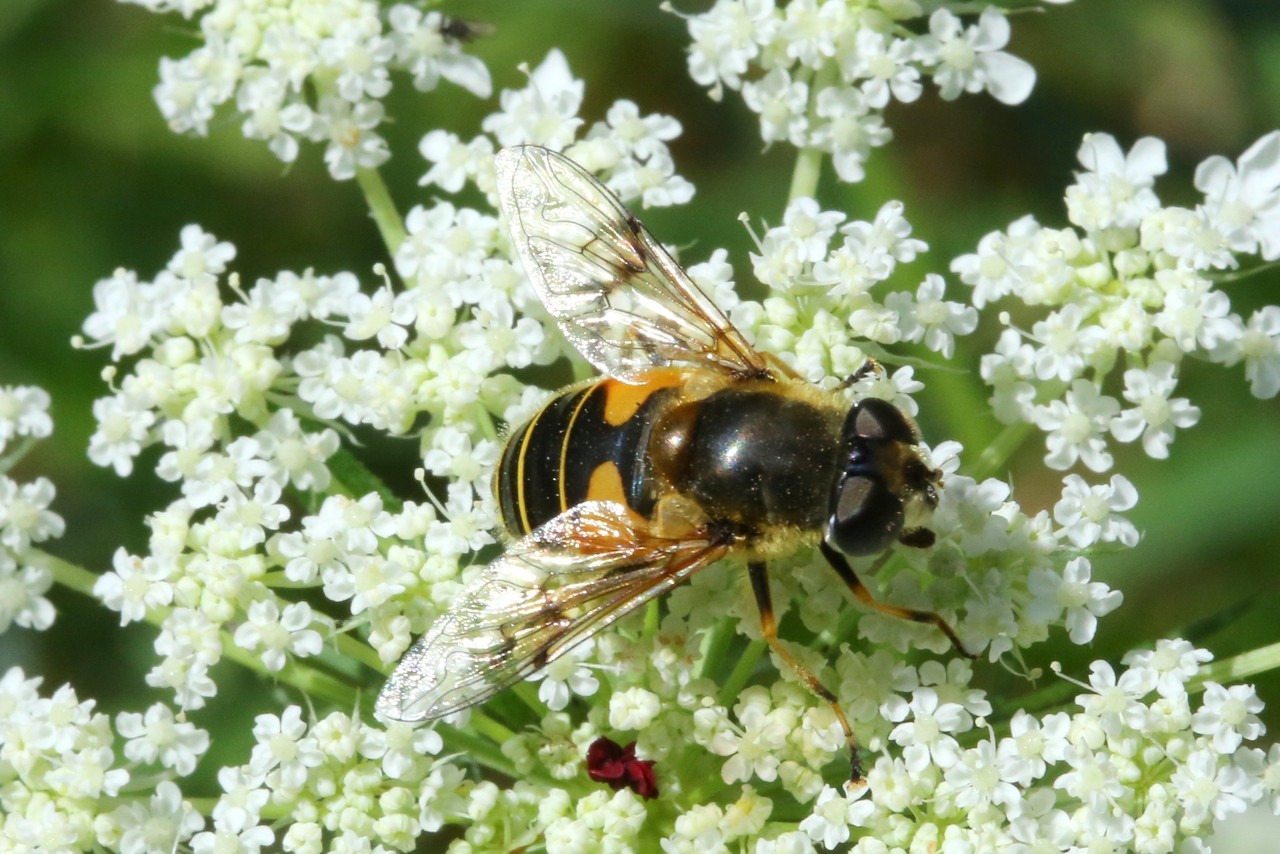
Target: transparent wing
(618, 295)
(553, 589)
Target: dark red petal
(608, 762)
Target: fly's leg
(769, 628)
(863, 595)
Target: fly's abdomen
(586, 444)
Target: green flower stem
(1238, 667)
(204, 806)
(19, 451)
(478, 749)
(485, 420)
(349, 647)
(353, 479)
(490, 728)
(995, 456)
(295, 674)
(1237, 275)
(808, 168)
(1232, 670)
(69, 575)
(804, 177)
(382, 208)
(741, 672)
(716, 646)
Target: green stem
(354, 479)
(1237, 275)
(716, 646)
(349, 647)
(490, 728)
(476, 748)
(808, 168)
(302, 676)
(805, 175)
(742, 672)
(485, 420)
(19, 451)
(1238, 667)
(306, 679)
(382, 208)
(69, 575)
(996, 455)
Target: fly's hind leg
(863, 595)
(769, 628)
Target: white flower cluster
(25, 517)
(1124, 296)
(820, 73)
(62, 786)
(1139, 764)
(241, 419)
(822, 316)
(628, 151)
(314, 70)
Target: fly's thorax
(759, 454)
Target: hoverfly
(690, 448)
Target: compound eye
(866, 518)
(875, 419)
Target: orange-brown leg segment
(863, 595)
(769, 628)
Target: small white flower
(545, 112)
(1075, 427)
(849, 130)
(429, 55)
(567, 676)
(453, 161)
(278, 633)
(754, 747)
(1243, 199)
(886, 67)
(726, 38)
(969, 60)
(1087, 513)
(1194, 315)
(284, 752)
(123, 425)
(925, 728)
(353, 142)
(202, 257)
(1260, 349)
(1034, 744)
(984, 776)
(834, 812)
(25, 517)
(368, 581)
(1116, 190)
(24, 411)
(1156, 416)
(157, 735)
(1072, 593)
(781, 103)
(1228, 715)
(165, 819)
(1207, 786)
(22, 599)
(633, 709)
(384, 315)
(930, 318)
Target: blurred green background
(91, 180)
